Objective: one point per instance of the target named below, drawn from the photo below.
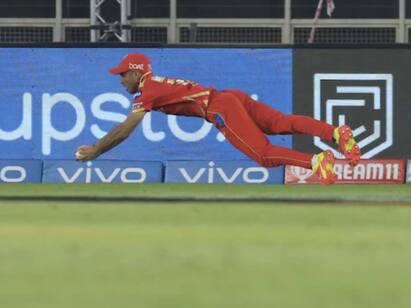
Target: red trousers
(246, 122)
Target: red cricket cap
(132, 62)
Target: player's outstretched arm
(113, 138)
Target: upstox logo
(363, 101)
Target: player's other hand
(86, 152)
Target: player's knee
(265, 160)
(269, 162)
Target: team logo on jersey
(137, 94)
(158, 78)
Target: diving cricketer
(244, 121)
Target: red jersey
(171, 96)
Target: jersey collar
(143, 80)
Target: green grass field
(205, 254)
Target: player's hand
(87, 152)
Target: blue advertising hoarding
(20, 171)
(227, 172)
(56, 99)
(102, 171)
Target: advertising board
(59, 98)
(371, 171)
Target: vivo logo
(91, 174)
(214, 174)
(13, 174)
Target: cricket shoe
(322, 165)
(347, 145)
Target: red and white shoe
(323, 167)
(347, 145)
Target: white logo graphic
(302, 174)
(126, 175)
(377, 86)
(13, 174)
(247, 175)
(370, 171)
(135, 66)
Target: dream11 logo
(363, 101)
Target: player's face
(130, 81)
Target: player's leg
(228, 114)
(272, 121)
